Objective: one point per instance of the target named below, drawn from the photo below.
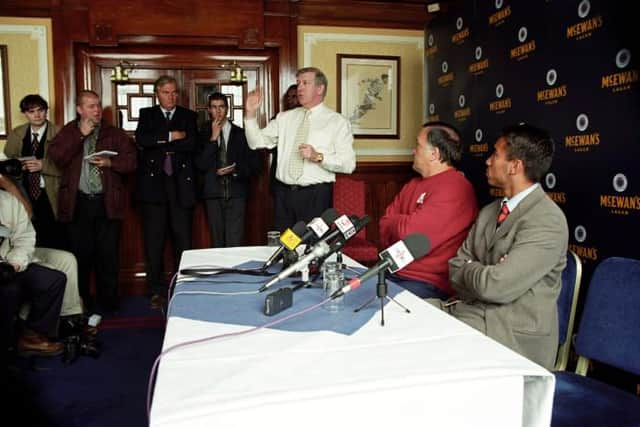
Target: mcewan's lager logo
(462, 34)
(500, 105)
(462, 113)
(433, 117)
(583, 141)
(431, 48)
(587, 25)
(446, 78)
(499, 17)
(480, 65)
(479, 148)
(622, 80)
(554, 93)
(584, 252)
(525, 47)
(557, 196)
(620, 204)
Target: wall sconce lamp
(237, 74)
(120, 73)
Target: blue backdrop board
(568, 66)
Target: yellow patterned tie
(296, 161)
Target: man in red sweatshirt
(440, 204)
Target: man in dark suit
(507, 273)
(227, 163)
(91, 198)
(167, 138)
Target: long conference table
(422, 368)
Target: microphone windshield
(417, 244)
(329, 216)
(299, 228)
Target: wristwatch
(319, 158)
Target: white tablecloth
(423, 368)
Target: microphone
(298, 229)
(300, 234)
(321, 249)
(395, 257)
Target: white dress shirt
(329, 134)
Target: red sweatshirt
(442, 207)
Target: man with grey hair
(314, 143)
(167, 137)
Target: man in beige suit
(41, 177)
(507, 274)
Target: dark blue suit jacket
(247, 163)
(152, 138)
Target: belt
(301, 187)
(89, 196)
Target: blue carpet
(108, 391)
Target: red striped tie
(504, 213)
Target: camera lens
(11, 167)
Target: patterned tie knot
(504, 213)
(168, 114)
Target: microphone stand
(381, 294)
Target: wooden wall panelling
(355, 13)
(109, 21)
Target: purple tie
(167, 166)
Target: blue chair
(609, 332)
(567, 303)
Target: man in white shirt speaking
(314, 143)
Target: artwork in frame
(369, 94)
(5, 123)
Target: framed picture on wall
(5, 123)
(369, 94)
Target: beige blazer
(50, 171)
(514, 301)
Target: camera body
(11, 167)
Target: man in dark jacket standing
(227, 164)
(91, 196)
(167, 137)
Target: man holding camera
(20, 280)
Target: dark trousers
(94, 240)
(421, 289)
(43, 288)
(49, 233)
(156, 218)
(295, 203)
(226, 221)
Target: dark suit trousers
(94, 240)
(226, 221)
(43, 288)
(294, 203)
(156, 218)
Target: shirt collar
(515, 200)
